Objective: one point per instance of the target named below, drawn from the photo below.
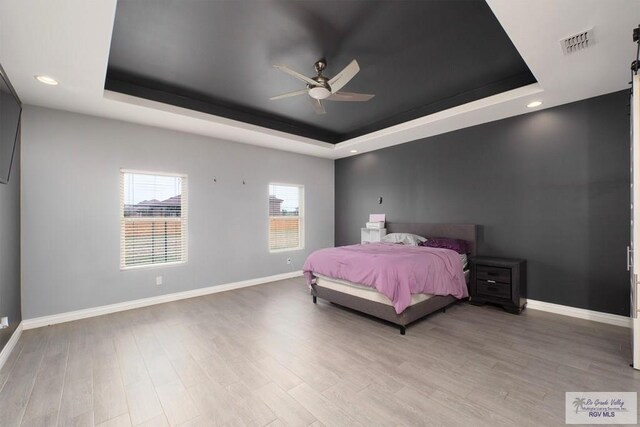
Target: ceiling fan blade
(289, 94)
(317, 106)
(349, 96)
(296, 75)
(344, 76)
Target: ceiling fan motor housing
(323, 90)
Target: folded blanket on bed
(397, 271)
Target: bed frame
(417, 311)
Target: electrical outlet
(4, 322)
(158, 280)
(289, 260)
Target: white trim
(636, 340)
(580, 313)
(156, 265)
(53, 319)
(10, 345)
(144, 172)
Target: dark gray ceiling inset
(417, 57)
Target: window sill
(278, 251)
(148, 266)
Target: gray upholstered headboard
(468, 232)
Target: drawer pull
(491, 281)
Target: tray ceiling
(216, 57)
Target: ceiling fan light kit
(320, 88)
(319, 92)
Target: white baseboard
(8, 348)
(581, 313)
(39, 322)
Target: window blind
(153, 219)
(286, 217)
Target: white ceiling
(69, 40)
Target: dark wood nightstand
(501, 281)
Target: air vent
(577, 42)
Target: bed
(368, 300)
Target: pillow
(457, 245)
(404, 238)
(464, 260)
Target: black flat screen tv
(10, 112)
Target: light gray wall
(70, 217)
(10, 250)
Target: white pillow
(404, 238)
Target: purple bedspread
(396, 271)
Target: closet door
(633, 261)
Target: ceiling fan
(320, 88)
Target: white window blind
(286, 217)
(153, 219)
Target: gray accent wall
(550, 186)
(70, 218)
(10, 250)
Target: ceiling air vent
(577, 42)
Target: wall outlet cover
(158, 280)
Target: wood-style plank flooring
(266, 355)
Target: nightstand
(371, 235)
(501, 281)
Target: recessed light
(46, 80)
(353, 151)
(534, 104)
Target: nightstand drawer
(493, 289)
(497, 274)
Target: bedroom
(230, 335)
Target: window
(286, 222)
(153, 219)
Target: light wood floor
(267, 356)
